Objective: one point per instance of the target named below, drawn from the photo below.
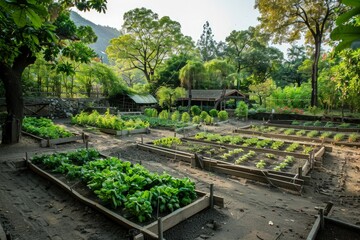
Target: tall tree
(168, 96)
(218, 72)
(27, 28)
(287, 20)
(206, 44)
(190, 76)
(147, 41)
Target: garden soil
(33, 208)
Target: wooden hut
(218, 99)
(132, 102)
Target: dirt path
(32, 208)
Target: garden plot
(315, 125)
(48, 133)
(337, 138)
(287, 160)
(136, 196)
(111, 124)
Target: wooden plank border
(148, 232)
(124, 132)
(50, 142)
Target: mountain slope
(104, 34)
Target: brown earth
(33, 208)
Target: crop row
(253, 142)
(121, 184)
(238, 156)
(323, 124)
(44, 128)
(337, 137)
(108, 121)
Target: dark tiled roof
(211, 94)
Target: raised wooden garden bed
(325, 228)
(52, 142)
(291, 181)
(124, 132)
(152, 230)
(323, 127)
(270, 134)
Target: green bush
(252, 111)
(185, 117)
(203, 115)
(214, 113)
(209, 120)
(241, 109)
(164, 114)
(175, 116)
(223, 115)
(150, 112)
(195, 110)
(196, 119)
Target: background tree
(147, 41)
(167, 96)
(190, 76)
(217, 74)
(289, 72)
(27, 29)
(263, 90)
(168, 73)
(206, 44)
(287, 20)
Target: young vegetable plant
(313, 133)
(353, 137)
(339, 137)
(261, 164)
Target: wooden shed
(133, 102)
(219, 98)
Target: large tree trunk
(11, 77)
(314, 73)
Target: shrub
(185, 117)
(214, 113)
(261, 110)
(150, 112)
(195, 110)
(164, 114)
(251, 111)
(209, 120)
(241, 110)
(223, 115)
(175, 116)
(196, 119)
(203, 115)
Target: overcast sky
(223, 16)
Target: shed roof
(143, 99)
(212, 94)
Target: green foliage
(313, 133)
(208, 120)
(344, 125)
(339, 137)
(122, 184)
(223, 115)
(291, 97)
(353, 137)
(108, 121)
(195, 110)
(277, 145)
(203, 115)
(292, 147)
(289, 131)
(295, 123)
(241, 110)
(213, 112)
(175, 116)
(196, 119)
(300, 133)
(167, 142)
(44, 128)
(261, 164)
(168, 96)
(325, 135)
(185, 117)
(164, 114)
(270, 155)
(150, 112)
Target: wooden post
(160, 229)
(87, 144)
(174, 134)
(300, 172)
(48, 142)
(142, 139)
(118, 155)
(322, 221)
(212, 196)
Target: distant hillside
(103, 33)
